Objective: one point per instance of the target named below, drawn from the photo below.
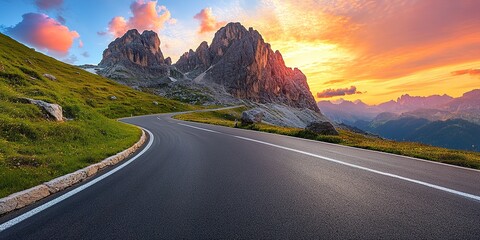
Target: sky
(372, 50)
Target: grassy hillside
(418, 150)
(34, 149)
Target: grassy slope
(455, 157)
(33, 149)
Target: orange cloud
(335, 81)
(208, 22)
(373, 44)
(146, 16)
(466, 71)
(43, 32)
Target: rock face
(242, 63)
(324, 128)
(252, 116)
(286, 116)
(53, 110)
(135, 59)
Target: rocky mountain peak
(242, 63)
(135, 59)
(140, 49)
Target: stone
(92, 169)
(23, 198)
(252, 116)
(50, 76)
(113, 98)
(54, 111)
(155, 103)
(323, 128)
(68, 180)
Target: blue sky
(89, 17)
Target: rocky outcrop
(53, 110)
(323, 128)
(252, 116)
(136, 59)
(286, 116)
(195, 63)
(242, 63)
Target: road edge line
(387, 174)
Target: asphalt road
(203, 181)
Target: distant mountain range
(433, 108)
(438, 120)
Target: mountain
(242, 63)
(238, 67)
(433, 108)
(136, 59)
(407, 103)
(439, 120)
(348, 112)
(466, 107)
(452, 133)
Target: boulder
(54, 111)
(252, 116)
(50, 76)
(155, 103)
(113, 98)
(323, 128)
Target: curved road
(204, 181)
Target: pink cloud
(146, 16)
(48, 4)
(80, 44)
(43, 32)
(208, 22)
(328, 93)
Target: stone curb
(26, 197)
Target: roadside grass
(34, 149)
(347, 138)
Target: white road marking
(463, 194)
(51, 203)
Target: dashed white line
(459, 193)
(51, 203)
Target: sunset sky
(370, 50)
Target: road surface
(204, 181)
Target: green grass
(34, 149)
(347, 138)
